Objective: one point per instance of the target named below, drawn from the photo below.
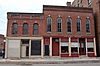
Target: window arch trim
(69, 21)
(88, 26)
(49, 23)
(14, 28)
(78, 24)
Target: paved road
(78, 64)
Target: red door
(55, 48)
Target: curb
(25, 62)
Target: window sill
(49, 32)
(14, 35)
(78, 32)
(35, 35)
(59, 32)
(88, 33)
(69, 32)
(25, 35)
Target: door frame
(58, 46)
(82, 41)
(36, 38)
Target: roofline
(54, 7)
(66, 7)
(22, 13)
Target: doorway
(24, 48)
(36, 47)
(82, 47)
(46, 50)
(55, 47)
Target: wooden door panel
(55, 49)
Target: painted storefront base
(30, 47)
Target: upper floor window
(78, 24)
(69, 22)
(35, 29)
(14, 28)
(49, 24)
(25, 28)
(87, 25)
(59, 24)
(89, 2)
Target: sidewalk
(51, 60)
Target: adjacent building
(95, 4)
(2, 45)
(60, 31)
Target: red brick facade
(95, 4)
(58, 41)
(54, 12)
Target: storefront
(51, 47)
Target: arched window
(49, 24)
(87, 25)
(14, 28)
(78, 24)
(35, 29)
(25, 28)
(69, 22)
(59, 24)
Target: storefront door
(46, 52)
(82, 47)
(36, 47)
(55, 47)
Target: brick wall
(54, 12)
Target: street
(74, 64)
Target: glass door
(46, 50)
(82, 48)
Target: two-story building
(59, 31)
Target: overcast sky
(32, 6)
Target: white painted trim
(50, 46)
(69, 46)
(24, 38)
(42, 46)
(95, 47)
(60, 47)
(6, 48)
(37, 38)
(29, 48)
(86, 46)
(78, 46)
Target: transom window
(14, 28)
(69, 21)
(35, 29)
(49, 22)
(78, 24)
(25, 28)
(88, 25)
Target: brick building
(95, 4)
(59, 31)
(2, 45)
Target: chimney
(68, 4)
